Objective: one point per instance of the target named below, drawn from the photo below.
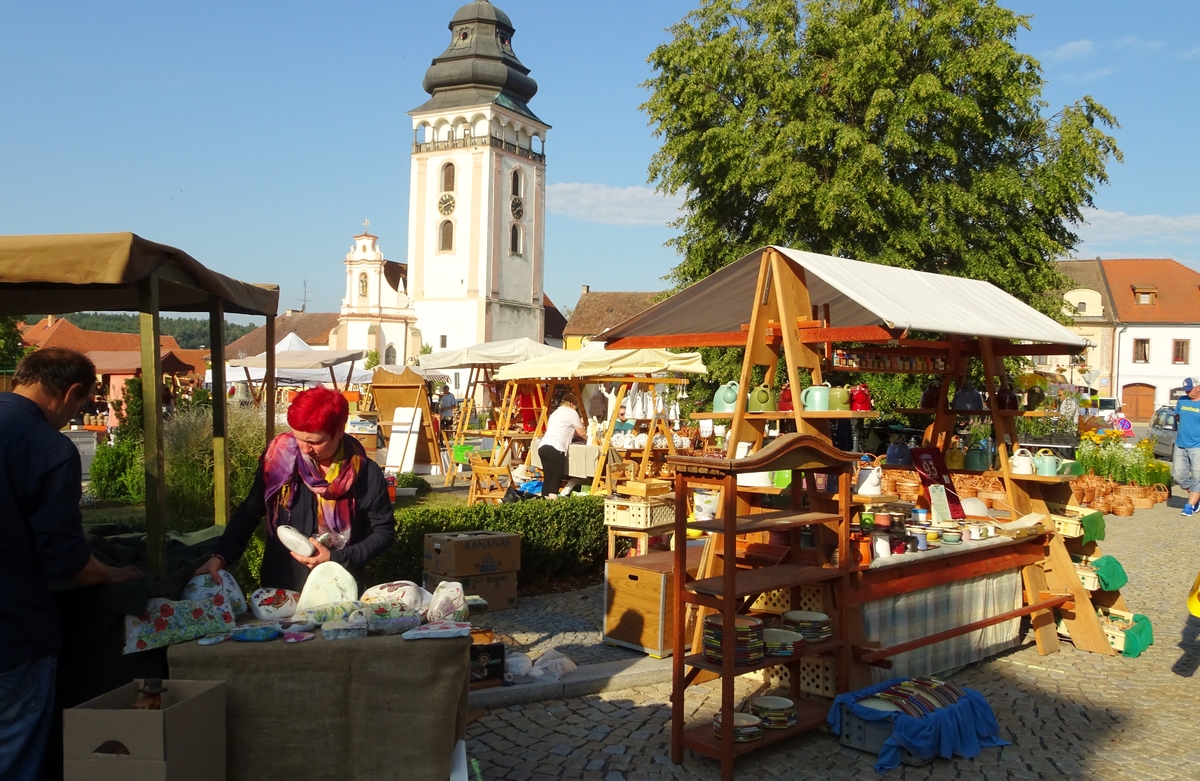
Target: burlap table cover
(376, 708)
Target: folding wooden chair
(488, 483)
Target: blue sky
(258, 136)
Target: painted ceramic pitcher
(815, 398)
(839, 398)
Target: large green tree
(905, 132)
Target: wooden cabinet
(742, 581)
(639, 608)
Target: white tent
(301, 359)
(487, 354)
(297, 363)
(857, 294)
(602, 363)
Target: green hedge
(559, 538)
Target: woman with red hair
(318, 480)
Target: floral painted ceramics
(351, 627)
(228, 593)
(270, 603)
(165, 622)
(323, 613)
(328, 582)
(294, 541)
(439, 629)
(256, 634)
(448, 603)
(412, 595)
(391, 618)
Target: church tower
(477, 206)
(376, 312)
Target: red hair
(319, 409)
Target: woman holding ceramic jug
(317, 480)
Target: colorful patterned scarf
(285, 468)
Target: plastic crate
(461, 454)
(633, 513)
(871, 735)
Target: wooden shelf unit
(732, 590)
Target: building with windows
(477, 192)
(1143, 316)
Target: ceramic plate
(804, 615)
(772, 703)
(742, 720)
(876, 703)
(781, 636)
(295, 541)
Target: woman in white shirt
(562, 426)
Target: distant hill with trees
(190, 332)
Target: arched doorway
(1137, 401)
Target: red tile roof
(65, 334)
(312, 327)
(1177, 299)
(599, 309)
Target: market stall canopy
(130, 362)
(857, 294)
(603, 363)
(430, 375)
(488, 354)
(101, 271)
(301, 359)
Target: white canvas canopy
(487, 354)
(857, 294)
(298, 363)
(302, 359)
(602, 363)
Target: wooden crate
(639, 611)
(634, 513)
(644, 488)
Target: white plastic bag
(553, 664)
(517, 664)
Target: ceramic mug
(919, 515)
(883, 520)
(866, 521)
(882, 546)
(922, 542)
(977, 531)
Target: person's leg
(553, 467)
(1182, 465)
(1193, 488)
(26, 708)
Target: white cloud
(1088, 76)
(606, 205)
(1191, 53)
(1133, 42)
(1118, 228)
(1071, 51)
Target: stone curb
(587, 679)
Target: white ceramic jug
(869, 481)
(1021, 462)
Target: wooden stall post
(152, 422)
(269, 379)
(216, 336)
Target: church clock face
(518, 207)
(446, 204)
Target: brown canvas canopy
(101, 271)
(130, 362)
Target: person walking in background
(1185, 466)
(563, 425)
(446, 406)
(41, 482)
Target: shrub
(413, 480)
(117, 473)
(559, 538)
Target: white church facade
(477, 208)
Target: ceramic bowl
(295, 541)
(951, 537)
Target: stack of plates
(748, 645)
(813, 626)
(783, 642)
(745, 727)
(775, 712)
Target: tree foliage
(12, 348)
(910, 133)
(190, 332)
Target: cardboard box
(487, 662)
(499, 589)
(185, 741)
(463, 554)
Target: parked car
(1105, 407)
(1162, 432)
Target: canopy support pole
(216, 338)
(269, 380)
(152, 425)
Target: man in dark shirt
(43, 542)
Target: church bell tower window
(448, 178)
(362, 285)
(389, 355)
(514, 240)
(446, 237)
(516, 183)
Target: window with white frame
(1141, 351)
(1180, 350)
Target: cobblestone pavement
(1072, 715)
(572, 623)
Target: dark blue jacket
(41, 539)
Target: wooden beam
(877, 584)
(216, 339)
(717, 339)
(864, 333)
(152, 425)
(269, 379)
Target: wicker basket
(1144, 502)
(967, 492)
(1133, 491)
(1160, 493)
(1101, 504)
(1122, 505)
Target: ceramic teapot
(870, 479)
(1046, 462)
(839, 398)
(967, 398)
(898, 453)
(815, 398)
(727, 397)
(761, 399)
(1021, 462)
(860, 398)
(785, 399)
(955, 458)
(932, 396)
